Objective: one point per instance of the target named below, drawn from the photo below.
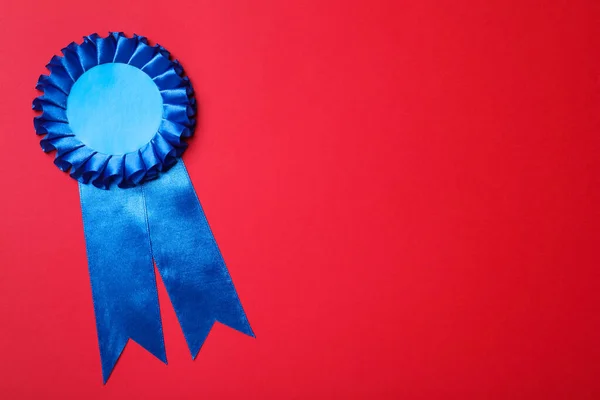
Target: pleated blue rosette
(117, 112)
(125, 170)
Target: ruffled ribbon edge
(103, 170)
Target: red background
(405, 192)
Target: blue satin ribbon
(117, 110)
(125, 229)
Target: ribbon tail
(121, 272)
(188, 259)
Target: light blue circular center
(114, 108)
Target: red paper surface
(405, 193)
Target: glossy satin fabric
(162, 220)
(121, 272)
(92, 165)
(101, 103)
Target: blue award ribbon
(116, 110)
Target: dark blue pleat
(88, 56)
(106, 49)
(142, 54)
(157, 65)
(124, 50)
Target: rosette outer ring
(132, 168)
